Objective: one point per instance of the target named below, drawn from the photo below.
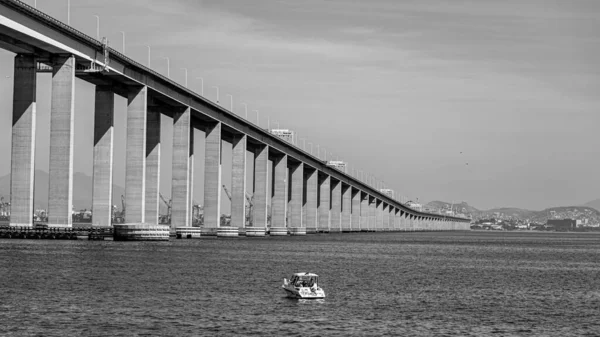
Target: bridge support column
(364, 212)
(23, 141)
(312, 200)
(238, 182)
(60, 203)
(103, 157)
(336, 206)
(279, 200)
(183, 134)
(385, 216)
(355, 204)
(346, 208)
(152, 167)
(372, 214)
(135, 167)
(261, 173)
(295, 223)
(212, 180)
(379, 215)
(324, 203)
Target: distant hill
(511, 211)
(462, 207)
(567, 212)
(594, 204)
(82, 190)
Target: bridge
(317, 197)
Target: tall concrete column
(355, 216)
(62, 127)
(212, 180)
(135, 167)
(238, 181)
(385, 208)
(379, 215)
(372, 213)
(312, 200)
(181, 174)
(346, 208)
(364, 212)
(324, 202)
(396, 219)
(295, 224)
(280, 198)
(336, 206)
(152, 166)
(23, 141)
(103, 156)
(261, 185)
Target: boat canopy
(305, 274)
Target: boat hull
(304, 293)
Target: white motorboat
(304, 286)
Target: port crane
(249, 207)
(169, 208)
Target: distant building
(336, 164)
(285, 134)
(388, 192)
(414, 205)
(562, 224)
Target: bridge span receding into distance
(317, 198)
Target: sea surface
(377, 284)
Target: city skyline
(503, 115)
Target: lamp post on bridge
(123, 34)
(168, 66)
(231, 101)
(310, 147)
(97, 27)
(186, 76)
(148, 56)
(257, 118)
(201, 85)
(214, 86)
(245, 110)
(69, 12)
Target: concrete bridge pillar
(336, 206)
(312, 200)
(296, 224)
(372, 213)
(181, 183)
(364, 211)
(62, 113)
(261, 173)
(152, 166)
(324, 202)
(103, 157)
(355, 216)
(379, 215)
(212, 180)
(279, 199)
(238, 181)
(23, 141)
(346, 208)
(396, 218)
(135, 167)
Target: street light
(257, 118)
(230, 101)
(148, 56)
(186, 77)
(318, 152)
(69, 12)
(246, 109)
(123, 34)
(97, 27)
(303, 144)
(217, 93)
(168, 66)
(202, 87)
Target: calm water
(412, 284)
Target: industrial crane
(249, 207)
(169, 208)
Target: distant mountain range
(591, 208)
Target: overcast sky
(410, 91)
